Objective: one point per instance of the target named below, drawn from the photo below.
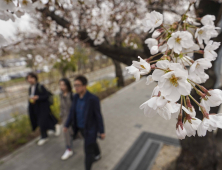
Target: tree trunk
(119, 74)
(198, 153)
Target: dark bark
(198, 153)
(202, 153)
(119, 75)
(122, 54)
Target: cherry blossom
(151, 42)
(196, 72)
(70, 50)
(139, 68)
(153, 20)
(214, 122)
(38, 58)
(156, 34)
(181, 132)
(154, 50)
(163, 66)
(212, 100)
(191, 123)
(205, 33)
(179, 40)
(174, 84)
(209, 51)
(7, 5)
(208, 20)
(159, 105)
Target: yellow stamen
(198, 65)
(178, 39)
(8, 1)
(142, 66)
(157, 21)
(200, 32)
(25, 2)
(173, 80)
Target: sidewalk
(124, 123)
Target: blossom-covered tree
(184, 48)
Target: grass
(19, 132)
(15, 134)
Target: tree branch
(121, 54)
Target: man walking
(85, 116)
(39, 109)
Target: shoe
(42, 141)
(57, 130)
(67, 154)
(50, 132)
(98, 157)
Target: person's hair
(67, 84)
(83, 79)
(33, 75)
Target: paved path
(124, 123)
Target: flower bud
(204, 90)
(203, 110)
(174, 26)
(179, 121)
(156, 34)
(201, 51)
(153, 66)
(188, 102)
(187, 118)
(200, 93)
(154, 50)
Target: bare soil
(166, 158)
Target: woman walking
(39, 109)
(65, 105)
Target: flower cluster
(177, 73)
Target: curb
(17, 151)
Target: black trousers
(44, 123)
(91, 151)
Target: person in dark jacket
(39, 109)
(86, 118)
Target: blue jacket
(93, 118)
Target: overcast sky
(9, 28)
